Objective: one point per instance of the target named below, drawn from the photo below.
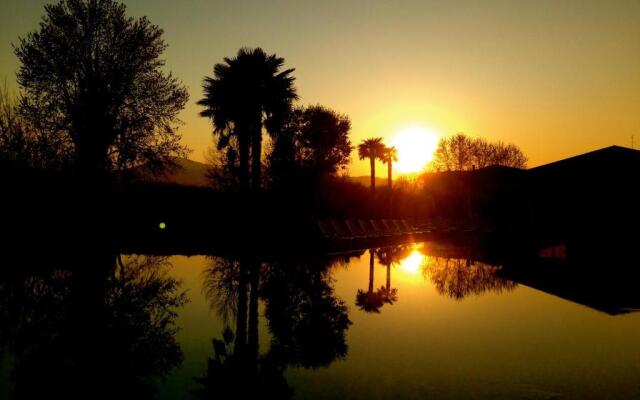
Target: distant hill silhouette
(194, 173)
(187, 173)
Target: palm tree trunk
(370, 271)
(372, 160)
(390, 185)
(254, 278)
(243, 144)
(241, 313)
(388, 278)
(256, 157)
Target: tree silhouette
(390, 155)
(313, 144)
(246, 94)
(462, 153)
(373, 149)
(96, 75)
(21, 145)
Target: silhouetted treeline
(463, 153)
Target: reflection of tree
(370, 301)
(220, 286)
(230, 375)
(237, 370)
(307, 321)
(457, 278)
(307, 325)
(103, 328)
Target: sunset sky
(555, 77)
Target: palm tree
(246, 94)
(390, 155)
(372, 149)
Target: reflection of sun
(412, 263)
(416, 146)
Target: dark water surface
(420, 322)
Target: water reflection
(453, 277)
(457, 278)
(371, 300)
(74, 324)
(306, 322)
(102, 326)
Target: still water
(407, 322)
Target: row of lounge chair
(361, 229)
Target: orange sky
(554, 77)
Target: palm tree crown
(390, 154)
(246, 94)
(372, 149)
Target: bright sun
(416, 146)
(412, 263)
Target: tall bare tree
(460, 153)
(96, 74)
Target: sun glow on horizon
(416, 146)
(412, 263)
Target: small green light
(162, 225)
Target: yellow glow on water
(416, 146)
(412, 263)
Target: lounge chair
(349, 228)
(380, 229)
(326, 230)
(399, 228)
(340, 231)
(355, 229)
(407, 228)
(367, 229)
(391, 228)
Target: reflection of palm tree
(389, 294)
(237, 370)
(373, 149)
(369, 301)
(230, 375)
(307, 323)
(388, 256)
(248, 92)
